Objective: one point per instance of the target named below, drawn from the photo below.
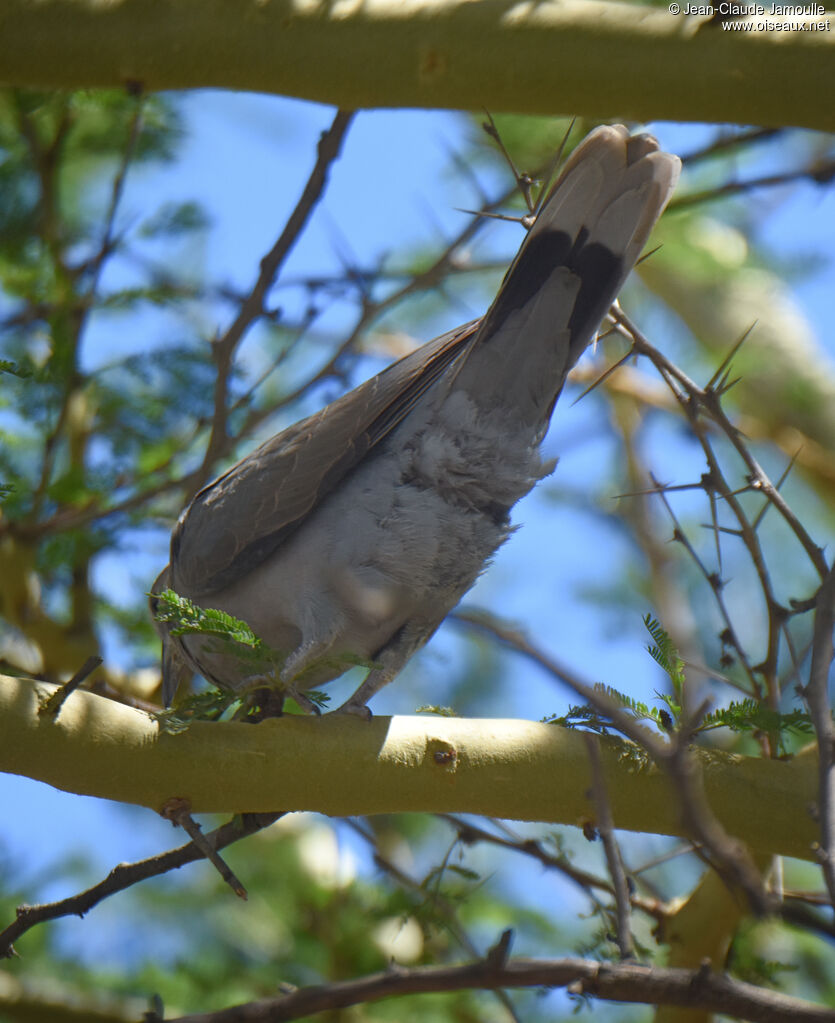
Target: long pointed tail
(570, 268)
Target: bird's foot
(265, 698)
(262, 702)
(354, 708)
(307, 705)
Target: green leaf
(665, 653)
(205, 706)
(187, 618)
(11, 367)
(174, 219)
(588, 717)
(750, 716)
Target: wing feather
(243, 516)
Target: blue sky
(246, 159)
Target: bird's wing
(241, 518)
(568, 271)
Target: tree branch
(613, 982)
(590, 58)
(125, 875)
(817, 695)
(341, 766)
(252, 307)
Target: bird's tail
(588, 236)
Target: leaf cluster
(748, 716)
(65, 162)
(184, 617)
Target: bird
(347, 538)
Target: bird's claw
(359, 710)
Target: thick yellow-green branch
(342, 766)
(557, 56)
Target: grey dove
(348, 537)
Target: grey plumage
(352, 534)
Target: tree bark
(596, 59)
(343, 766)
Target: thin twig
(725, 141)
(606, 829)
(715, 411)
(714, 580)
(125, 875)
(470, 833)
(728, 856)
(252, 308)
(53, 705)
(117, 190)
(443, 906)
(820, 173)
(524, 181)
(817, 697)
(178, 811)
(699, 404)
